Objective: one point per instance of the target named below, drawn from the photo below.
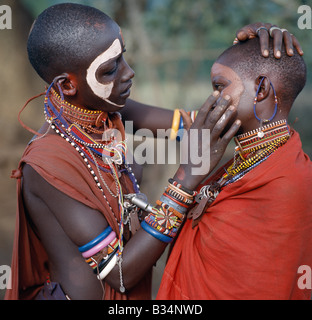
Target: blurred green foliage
(198, 24)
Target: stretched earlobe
(263, 91)
(66, 84)
(262, 87)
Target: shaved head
(63, 36)
(287, 73)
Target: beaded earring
(262, 121)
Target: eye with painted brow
(111, 67)
(97, 78)
(111, 70)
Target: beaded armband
(165, 219)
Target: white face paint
(101, 90)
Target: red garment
(252, 239)
(61, 166)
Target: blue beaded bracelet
(155, 233)
(96, 240)
(173, 204)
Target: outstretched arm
(147, 116)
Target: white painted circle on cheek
(101, 90)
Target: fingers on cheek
(225, 118)
(233, 130)
(209, 103)
(206, 107)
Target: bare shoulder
(42, 201)
(62, 224)
(33, 183)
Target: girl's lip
(127, 91)
(126, 94)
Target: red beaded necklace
(91, 121)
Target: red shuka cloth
(252, 239)
(61, 166)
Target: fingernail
(231, 108)
(291, 51)
(216, 93)
(238, 122)
(227, 97)
(266, 53)
(278, 54)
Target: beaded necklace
(68, 121)
(251, 141)
(91, 121)
(252, 149)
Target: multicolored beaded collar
(252, 141)
(93, 121)
(252, 149)
(71, 120)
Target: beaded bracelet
(108, 268)
(103, 254)
(173, 203)
(166, 206)
(164, 221)
(96, 240)
(170, 190)
(99, 246)
(173, 198)
(154, 224)
(179, 186)
(180, 192)
(112, 246)
(92, 263)
(155, 233)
